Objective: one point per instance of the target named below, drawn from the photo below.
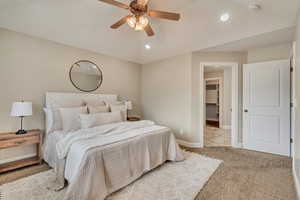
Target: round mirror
(86, 76)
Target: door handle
(246, 110)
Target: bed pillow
(98, 109)
(53, 120)
(70, 117)
(49, 120)
(119, 107)
(92, 120)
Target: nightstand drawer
(22, 141)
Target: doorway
(217, 130)
(219, 115)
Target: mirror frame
(70, 76)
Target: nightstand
(133, 119)
(9, 140)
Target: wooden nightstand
(9, 140)
(133, 119)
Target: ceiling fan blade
(120, 22)
(116, 3)
(164, 15)
(142, 2)
(149, 30)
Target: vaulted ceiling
(85, 24)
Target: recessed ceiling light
(147, 46)
(225, 17)
(254, 6)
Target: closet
(212, 100)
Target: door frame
(234, 100)
(293, 98)
(220, 81)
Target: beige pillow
(98, 109)
(92, 120)
(70, 117)
(119, 107)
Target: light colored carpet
(180, 181)
(248, 175)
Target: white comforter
(101, 160)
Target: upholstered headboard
(62, 99)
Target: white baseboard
(226, 127)
(189, 144)
(16, 158)
(238, 145)
(296, 181)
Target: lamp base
(21, 131)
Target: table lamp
(21, 109)
(128, 105)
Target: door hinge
(292, 69)
(292, 105)
(291, 140)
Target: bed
(98, 161)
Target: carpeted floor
(244, 175)
(248, 175)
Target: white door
(266, 116)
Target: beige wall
(166, 93)
(297, 94)
(274, 52)
(29, 67)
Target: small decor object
(133, 119)
(86, 76)
(128, 105)
(21, 109)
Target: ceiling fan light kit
(138, 19)
(137, 23)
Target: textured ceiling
(85, 24)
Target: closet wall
(212, 100)
(225, 95)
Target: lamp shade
(20, 109)
(128, 105)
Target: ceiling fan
(138, 18)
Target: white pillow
(70, 117)
(53, 119)
(119, 107)
(48, 120)
(92, 120)
(98, 109)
